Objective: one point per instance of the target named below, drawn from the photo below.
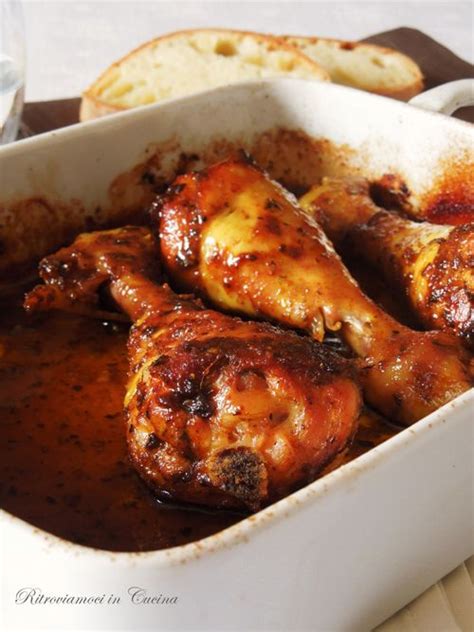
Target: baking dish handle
(446, 98)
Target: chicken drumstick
(433, 264)
(219, 411)
(243, 242)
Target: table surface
(70, 42)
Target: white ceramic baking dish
(343, 553)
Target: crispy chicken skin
(240, 240)
(431, 263)
(220, 412)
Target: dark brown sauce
(451, 200)
(63, 459)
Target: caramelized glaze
(451, 200)
(432, 263)
(238, 238)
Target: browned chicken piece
(243, 242)
(431, 263)
(220, 412)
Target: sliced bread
(364, 66)
(190, 61)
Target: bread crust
(92, 106)
(401, 93)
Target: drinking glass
(12, 68)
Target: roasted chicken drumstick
(243, 242)
(219, 411)
(433, 264)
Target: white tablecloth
(448, 606)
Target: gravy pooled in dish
(63, 461)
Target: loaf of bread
(364, 66)
(191, 61)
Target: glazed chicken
(220, 412)
(433, 264)
(242, 241)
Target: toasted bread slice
(364, 66)
(190, 61)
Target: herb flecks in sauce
(63, 456)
